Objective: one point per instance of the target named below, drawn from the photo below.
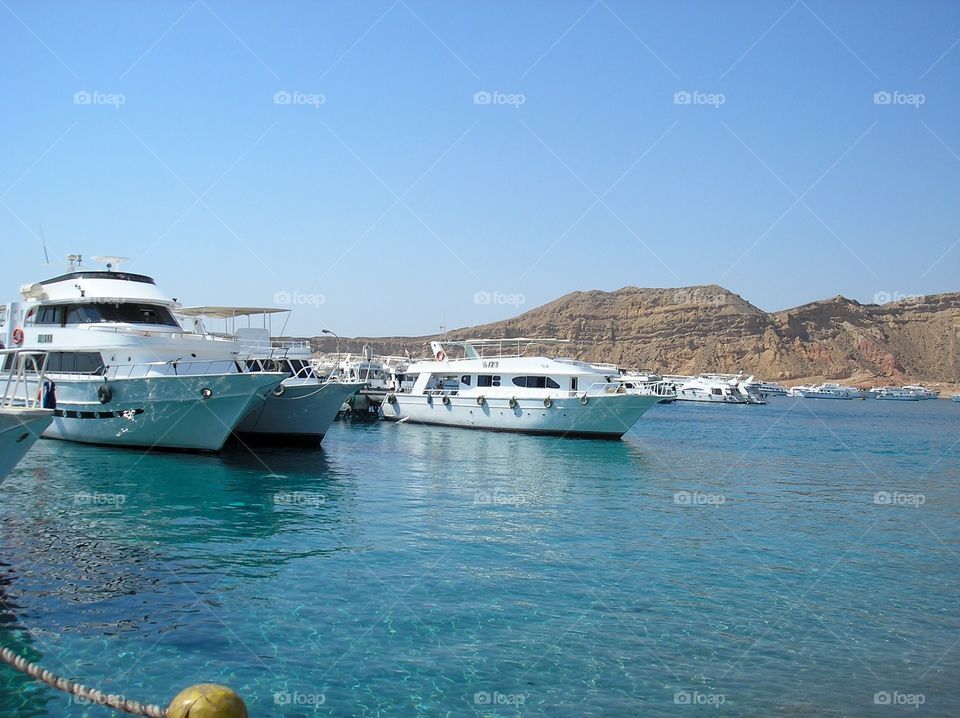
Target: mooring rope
(90, 694)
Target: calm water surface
(799, 559)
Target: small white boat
(827, 391)
(955, 397)
(766, 389)
(374, 372)
(892, 393)
(22, 421)
(922, 392)
(649, 383)
(717, 388)
(494, 386)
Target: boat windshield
(122, 312)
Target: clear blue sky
(384, 187)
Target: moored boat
(892, 393)
(22, 420)
(302, 407)
(717, 388)
(125, 372)
(827, 391)
(496, 387)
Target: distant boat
(892, 393)
(717, 388)
(766, 388)
(922, 392)
(649, 383)
(955, 397)
(827, 391)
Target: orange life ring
(18, 336)
(440, 355)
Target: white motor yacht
(302, 408)
(892, 393)
(717, 388)
(643, 382)
(955, 397)
(827, 391)
(495, 386)
(922, 392)
(374, 372)
(766, 389)
(22, 420)
(124, 372)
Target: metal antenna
(43, 240)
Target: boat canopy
(228, 312)
(513, 346)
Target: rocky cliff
(707, 328)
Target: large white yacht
(494, 386)
(302, 408)
(124, 372)
(22, 420)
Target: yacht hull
(711, 399)
(300, 413)
(19, 430)
(195, 412)
(817, 395)
(607, 417)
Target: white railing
(22, 362)
(171, 368)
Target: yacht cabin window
(535, 382)
(488, 380)
(465, 380)
(124, 312)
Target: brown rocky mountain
(708, 328)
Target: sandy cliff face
(708, 328)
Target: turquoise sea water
(799, 559)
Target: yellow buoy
(207, 700)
